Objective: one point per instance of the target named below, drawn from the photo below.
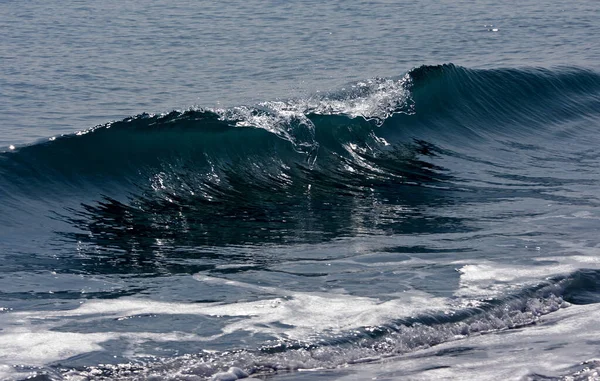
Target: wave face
(436, 182)
(377, 140)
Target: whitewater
(253, 210)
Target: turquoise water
(299, 191)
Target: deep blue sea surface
(304, 190)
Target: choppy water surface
(340, 204)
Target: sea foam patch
(489, 279)
(307, 314)
(37, 338)
(44, 346)
(561, 346)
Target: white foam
(488, 279)
(289, 124)
(32, 338)
(375, 99)
(7, 372)
(37, 338)
(308, 314)
(311, 314)
(559, 342)
(40, 344)
(42, 347)
(231, 375)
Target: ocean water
(299, 190)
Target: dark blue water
(299, 191)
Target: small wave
(286, 163)
(425, 102)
